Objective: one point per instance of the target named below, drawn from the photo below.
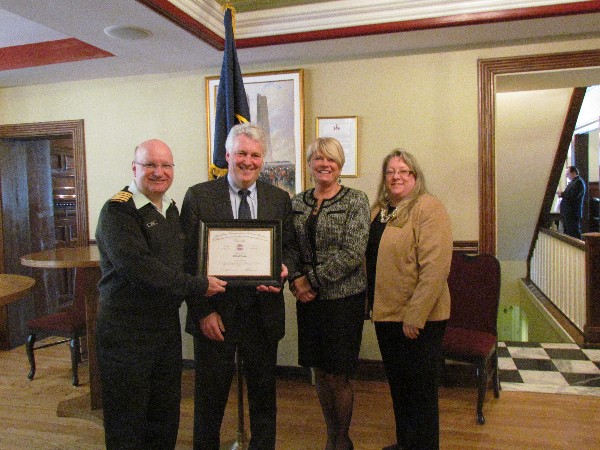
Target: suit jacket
(209, 201)
(571, 205)
(413, 264)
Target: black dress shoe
(392, 447)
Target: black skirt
(330, 333)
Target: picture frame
(241, 252)
(345, 130)
(280, 114)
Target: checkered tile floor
(552, 368)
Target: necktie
(244, 208)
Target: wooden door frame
(48, 130)
(487, 71)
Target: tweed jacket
(209, 201)
(413, 264)
(335, 268)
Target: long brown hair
(406, 204)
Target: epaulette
(121, 196)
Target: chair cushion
(468, 342)
(66, 321)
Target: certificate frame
(244, 239)
(281, 115)
(345, 130)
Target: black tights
(337, 400)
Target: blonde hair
(406, 204)
(330, 147)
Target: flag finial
(228, 6)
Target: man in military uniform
(142, 287)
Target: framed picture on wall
(345, 130)
(276, 101)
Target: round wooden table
(64, 258)
(14, 287)
(88, 259)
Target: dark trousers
(572, 225)
(215, 366)
(141, 387)
(413, 370)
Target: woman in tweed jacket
(331, 224)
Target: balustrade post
(591, 330)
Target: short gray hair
(249, 130)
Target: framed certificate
(241, 252)
(344, 129)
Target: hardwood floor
(29, 420)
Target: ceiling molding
(425, 24)
(351, 18)
(360, 13)
(200, 21)
(208, 12)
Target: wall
(529, 125)
(424, 102)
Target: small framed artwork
(276, 101)
(344, 129)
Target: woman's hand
(302, 289)
(274, 289)
(410, 331)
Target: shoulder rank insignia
(121, 196)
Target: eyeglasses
(151, 167)
(404, 173)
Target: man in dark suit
(571, 205)
(251, 320)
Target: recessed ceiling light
(127, 32)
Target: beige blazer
(413, 264)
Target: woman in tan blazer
(408, 262)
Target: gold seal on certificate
(242, 252)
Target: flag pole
(232, 107)
(241, 442)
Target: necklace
(386, 216)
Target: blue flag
(232, 104)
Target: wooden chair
(471, 335)
(69, 323)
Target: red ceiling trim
(426, 24)
(46, 53)
(169, 11)
(177, 16)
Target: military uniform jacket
(141, 258)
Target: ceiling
(64, 40)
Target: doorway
(43, 205)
